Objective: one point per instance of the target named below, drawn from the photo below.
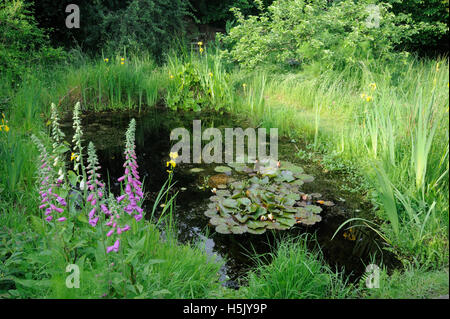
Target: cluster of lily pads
(267, 196)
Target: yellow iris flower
(73, 156)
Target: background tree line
(31, 29)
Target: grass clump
(295, 272)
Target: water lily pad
(223, 193)
(255, 224)
(313, 209)
(305, 178)
(241, 218)
(216, 220)
(239, 229)
(223, 229)
(286, 221)
(196, 170)
(244, 201)
(287, 176)
(230, 203)
(211, 213)
(222, 169)
(237, 185)
(277, 226)
(257, 231)
(291, 167)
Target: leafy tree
(429, 19)
(22, 42)
(145, 24)
(218, 11)
(298, 32)
(51, 15)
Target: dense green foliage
(22, 43)
(145, 24)
(429, 19)
(298, 33)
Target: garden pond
(215, 199)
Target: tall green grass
(294, 272)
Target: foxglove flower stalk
(57, 146)
(50, 200)
(128, 202)
(95, 187)
(133, 187)
(116, 225)
(78, 148)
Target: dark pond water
(106, 130)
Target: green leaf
(73, 178)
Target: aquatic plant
(268, 197)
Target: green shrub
(22, 42)
(145, 24)
(297, 33)
(429, 19)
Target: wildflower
(114, 247)
(244, 85)
(73, 156)
(201, 50)
(173, 155)
(95, 186)
(363, 95)
(171, 163)
(4, 126)
(133, 191)
(369, 98)
(106, 60)
(171, 76)
(200, 43)
(210, 74)
(50, 199)
(373, 86)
